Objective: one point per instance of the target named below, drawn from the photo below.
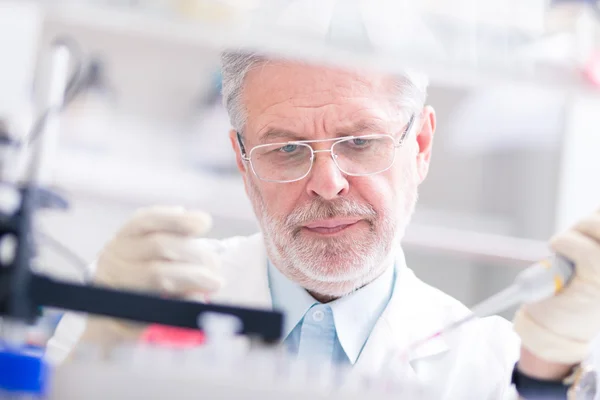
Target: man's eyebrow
(276, 134)
(363, 126)
(360, 127)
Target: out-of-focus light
(503, 119)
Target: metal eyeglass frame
(247, 156)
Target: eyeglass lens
(354, 156)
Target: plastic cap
(172, 337)
(216, 325)
(22, 373)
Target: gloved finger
(579, 248)
(182, 279)
(167, 219)
(590, 226)
(198, 297)
(168, 247)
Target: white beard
(333, 267)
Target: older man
(331, 161)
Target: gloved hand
(561, 328)
(158, 251)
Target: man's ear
(425, 141)
(238, 152)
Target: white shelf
(124, 21)
(233, 33)
(502, 249)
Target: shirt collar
(354, 315)
(289, 298)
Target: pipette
(540, 281)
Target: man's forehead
(274, 80)
(294, 97)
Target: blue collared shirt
(336, 331)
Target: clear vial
(223, 345)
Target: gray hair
(410, 87)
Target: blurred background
(515, 85)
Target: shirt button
(318, 315)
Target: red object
(172, 337)
(592, 69)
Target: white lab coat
(473, 362)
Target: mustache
(322, 209)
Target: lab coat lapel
(411, 315)
(245, 272)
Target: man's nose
(325, 179)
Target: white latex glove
(159, 250)
(560, 329)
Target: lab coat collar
(413, 304)
(412, 314)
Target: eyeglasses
(353, 155)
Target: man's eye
(288, 148)
(359, 142)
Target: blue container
(22, 373)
